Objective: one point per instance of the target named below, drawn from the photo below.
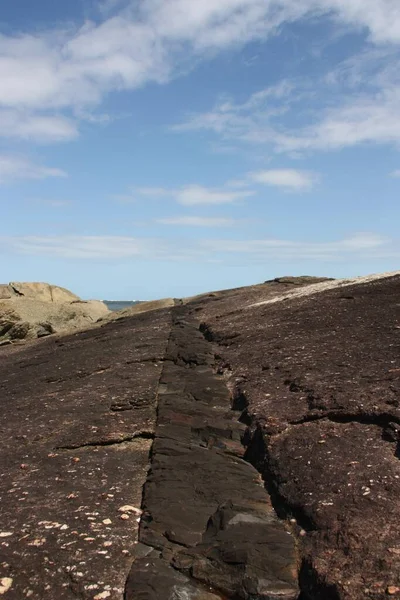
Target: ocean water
(119, 304)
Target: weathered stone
(81, 462)
(5, 292)
(320, 380)
(33, 310)
(314, 381)
(42, 292)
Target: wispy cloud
(73, 68)
(13, 168)
(356, 103)
(363, 246)
(189, 195)
(396, 173)
(87, 247)
(288, 179)
(186, 221)
(35, 127)
(194, 195)
(52, 202)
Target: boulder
(43, 292)
(33, 310)
(140, 308)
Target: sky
(153, 148)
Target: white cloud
(89, 247)
(193, 195)
(359, 103)
(13, 168)
(396, 173)
(364, 119)
(362, 244)
(190, 195)
(154, 192)
(36, 127)
(72, 68)
(359, 246)
(197, 221)
(289, 179)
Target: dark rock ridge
(254, 435)
(205, 510)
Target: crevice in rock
(144, 435)
(151, 453)
(312, 586)
(381, 419)
(152, 359)
(257, 454)
(193, 524)
(17, 292)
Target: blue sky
(154, 148)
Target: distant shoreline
(115, 305)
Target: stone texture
(274, 471)
(31, 310)
(43, 292)
(137, 309)
(317, 378)
(201, 495)
(69, 460)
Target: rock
(392, 590)
(321, 387)
(5, 584)
(299, 280)
(5, 292)
(42, 292)
(44, 329)
(138, 309)
(225, 394)
(36, 310)
(152, 579)
(56, 393)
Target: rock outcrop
(243, 445)
(139, 308)
(32, 310)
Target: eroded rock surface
(252, 434)
(205, 509)
(317, 378)
(77, 420)
(36, 310)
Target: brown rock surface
(77, 418)
(317, 378)
(138, 309)
(312, 375)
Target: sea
(120, 304)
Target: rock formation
(240, 445)
(31, 310)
